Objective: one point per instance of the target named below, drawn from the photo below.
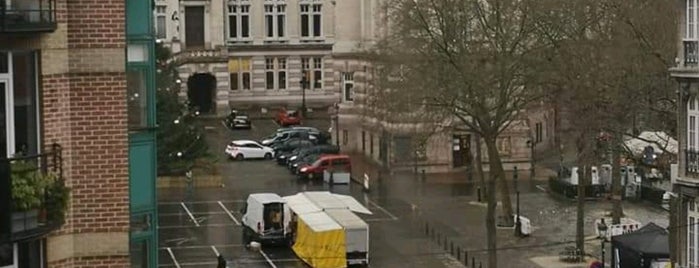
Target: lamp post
(518, 224)
(303, 82)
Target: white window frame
(692, 234)
(315, 71)
(276, 9)
(161, 12)
(236, 10)
(347, 80)
(693, 124)
(7, 78)
(241, 73)
(691, 20)
(276, 66)
(311, 8)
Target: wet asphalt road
(403, 205)
(196, 224)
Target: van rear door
(273, 218)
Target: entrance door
(6, 119)
(194, 26)
(461, 150)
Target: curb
(200, 181)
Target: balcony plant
(35, 195)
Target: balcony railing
(692, 162)
(41, 17)
(38, 196)
(691, 52)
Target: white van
(266, 219)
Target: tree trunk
(478, 163)
(617, 211)
(580, 224)
(490, 218)
(497, 173)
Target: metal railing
(41, 19)
(37, 188)
(692, 162)
(691, 52)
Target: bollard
(458, 253)
(423, 175)
(427, 230)
(473, 262)
(479, 194)
(465, 257)
(445, 242)
(480, 265)
(451, 247)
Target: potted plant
(28, 189)
(56, 202)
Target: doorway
(461, 150)
(201, 88)
(194, 26)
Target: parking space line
(202, 202)
(267, 258)
(190, 214)
(207, 263)
(197, 213)
(383, 210)
(229, 213)
(198, 225)
(172, 255)
(275, 122)
(215, 250)
(541, 188)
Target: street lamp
(518, 224)
(303, 82)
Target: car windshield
(291, 113)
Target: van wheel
(268, 156)
(246, 237)
(239, 157)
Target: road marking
(189, 226)
(541, 188)
(208, 263)
(172, 255)
(267, 258)
(383, 210)
(190, 214)
(198, 213)
(215, 251)
(228, 212)
(275, 122)
(201, 202)
(178, 241)
(206, 246)
(381, 219)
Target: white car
(242, 149)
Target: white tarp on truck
(356, 235)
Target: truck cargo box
(319, 241)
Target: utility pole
(518, 224)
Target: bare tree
(467, 60)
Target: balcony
(692, 162)
(37, 196)
(691, 52)
(26, 16)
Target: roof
(346, 218)
(319, 222)
(300, 204)
(266, 198)
(650, 240)
(244, 141)
(324, 200)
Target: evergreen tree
(181, 141)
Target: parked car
(237, 120)
(242, 149)
(288, 117)
(291, 144)
(326, 162)
(280, 137)
(318, 149)
(302, 162)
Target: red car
(288, 117)
(331, 161)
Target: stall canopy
(313, 201)
(642, 247)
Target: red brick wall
(86, 113)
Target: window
(348, 86)
(275, 19)
(692, 124)
(313, 73)
(363, 141)
(136, 86)
(239, 20)
(345, 137)
(275, 73)
(19, 114)
(539, 132)
(691, 31)
(139, 254)
(239, 70)
(160, 22)
(692, 241)
(371, 144)
(311, 19)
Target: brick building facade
(63, 53)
